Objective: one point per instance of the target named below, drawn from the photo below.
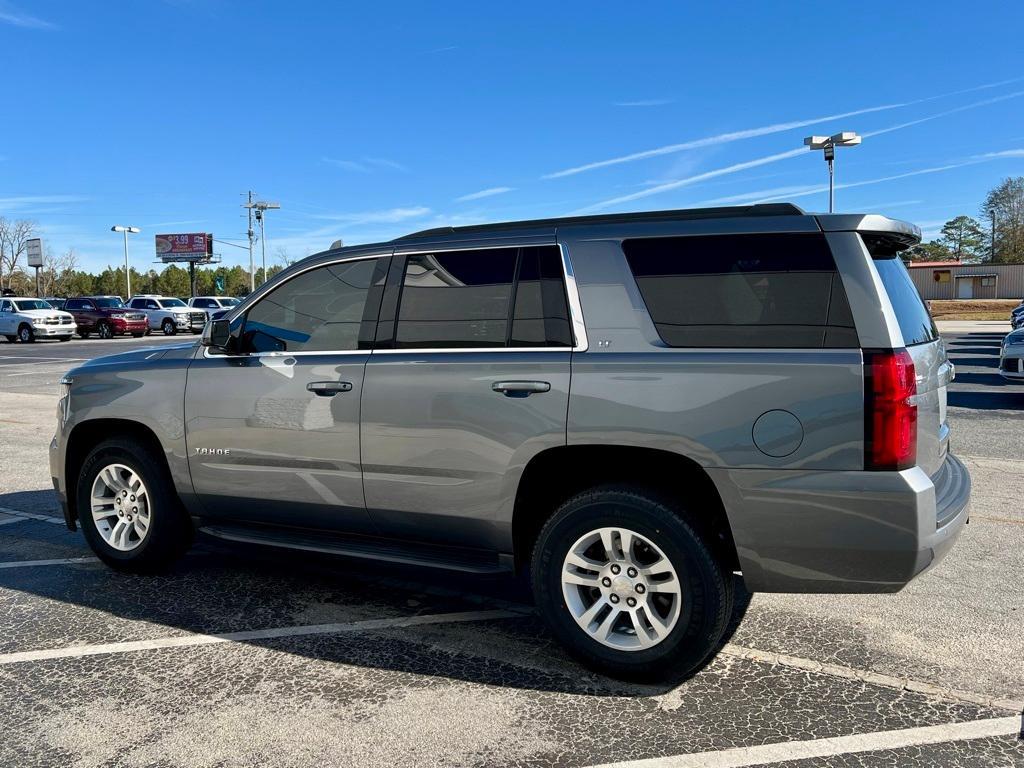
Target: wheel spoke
(608, 542)
(669, 586)
(110, 507)
(638, 627)
(582, 562)
(626, 543)
(589, 614)
(580, 579)
(601, 633)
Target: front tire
(629, 586)
(25, 334)
(106, 331)
(130, 513)
(168, 327)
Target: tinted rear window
(915, 323)
(769, 290)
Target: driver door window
(321, 310)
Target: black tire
(137, 335)
(25, 333)
(168, 327)
(65, 338)
(83, 334)
(706, 588)
(170, 532)
(105, 330)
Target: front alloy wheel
(120, 507)
(621, 589)
(26, 335)
(106, 331)
(168, 327)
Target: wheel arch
(555, 475)
(88, 434)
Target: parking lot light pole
(828, 144)
(127, 271)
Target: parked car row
(26, 319)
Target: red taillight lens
(890, 419)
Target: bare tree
(56, 272)
(14, 236)
(283, 257)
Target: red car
(107, 316)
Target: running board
(365, 547)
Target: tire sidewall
(675, 539)
(167, 326)
(25, 334)
(157, 491)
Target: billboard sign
(192, 246)
(34, 251)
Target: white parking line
(32, 516)
(186, 641)
(785, 751)
(59, 561)
(37, 372)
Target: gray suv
(629, 408)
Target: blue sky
(367, 121)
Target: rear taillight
(890, 418)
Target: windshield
(229, 302)
(110, 302)
(25, 305)
(172, 303)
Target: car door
(468, 381)
(6, 318)
(272, 427)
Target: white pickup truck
(24, 319)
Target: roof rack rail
(682, 214)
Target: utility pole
(260, 207)
(252, 268)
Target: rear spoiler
(893, 233)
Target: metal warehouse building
(955, 280)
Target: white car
(169, 314)
(214, 306)
(26, 320)
(1011, 356)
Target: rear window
(760, 291)
(916, 325)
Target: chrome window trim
(579, 328)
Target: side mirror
(216, 334)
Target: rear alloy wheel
(106, 331)
(629, 586)
(168, 327)
(128, 508)
(25, 334)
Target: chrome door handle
(329, 388)
(520, 388)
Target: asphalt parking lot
(245, 657)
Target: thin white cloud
(10, 14)
(24, 201)
(364, 164)
(489, 192)
(945, 113)
(386, 216)
(708, 141)
(725, 138)
(735, 168)
(1004, 153)
(643, 103)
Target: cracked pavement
(483, 691)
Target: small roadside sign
(34, 251)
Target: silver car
(629, 408)
(1011, 356)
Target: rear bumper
(842, 531)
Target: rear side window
(746, 291)
(490, 297)
(916, 325)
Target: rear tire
(65, 338)
(25, 334)
(681, 629)
(168, 530)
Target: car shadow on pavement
(223, 587)
(42, 502)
